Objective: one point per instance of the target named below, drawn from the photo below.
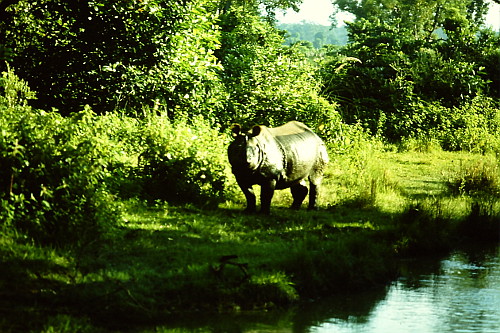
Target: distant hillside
(317, 34)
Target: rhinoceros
(278, 158)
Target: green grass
(375, 207)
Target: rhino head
(245, 152)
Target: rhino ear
(256, 130)
(236, 129)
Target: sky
(319, 11)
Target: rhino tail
(322, 160)
(323, 154)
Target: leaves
(438, 57)
(114, 55)
(53, 169)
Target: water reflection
(460, 293)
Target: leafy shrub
(472, 127)
(52, 171)
(181, 162)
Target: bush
(472, 127)
(183, 163)
(52, 171)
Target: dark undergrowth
(165, 260)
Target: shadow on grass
(28, 291)
(169, 260)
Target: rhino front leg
(266, 195)
(250, 196)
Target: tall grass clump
(424, 144)
(479, 181)
(423, 228)
(483, 221)
(355, 176)
(347, 261)
(477, 178)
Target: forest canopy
(102, 100)
(226, 60)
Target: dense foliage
(418, 65)
(53, 169)
(218, 59)
(133, 98)
(107, 171)
(267, 82)
(114, 55)
(61, 175)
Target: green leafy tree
(421, 17)
(110, 54)
(267, 82)
(403, 62)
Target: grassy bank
(377, 206)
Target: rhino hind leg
(299, 193)
(314, 183)
(313, 196)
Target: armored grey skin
(278, 158)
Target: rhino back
(304, 153)
(290, 128)
(299, 139)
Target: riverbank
(376, 208)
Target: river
(457, 293)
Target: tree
(420, 16)
(267, 82)
(403, 62)
(112, 55)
